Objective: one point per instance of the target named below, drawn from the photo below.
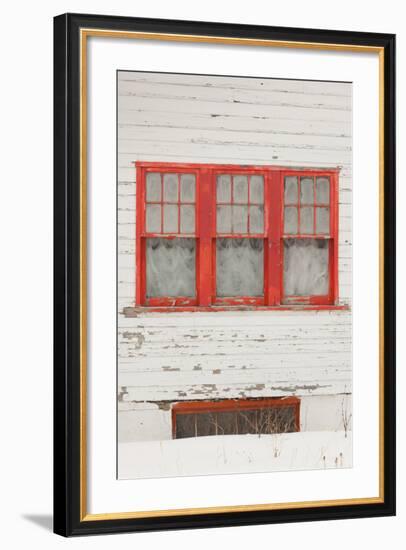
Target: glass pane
(153, 187)
(187, 187)
(306, 191)
(171, 187)
(240, 189)
(206, 424)
(170, 267)
(240, 267)
(187, 219)
(170, 218)
(306, 220)
(248, 422)
(240, 219)
(257, 189)
(185, 425)
(224, 188)
(224, 219)
(323, 190)
(256, 219)
(290, 190)
(227, 423)
(306, 267)
(153, 218)
(291, 219)
(323, 220)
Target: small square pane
(153, 218)
(291, 190)
(323, 190)
(240, 219)
(306, 220)
(224, 188)
(256, 219)
(257, 189)
(306, 270)
(153, 191)
(240, 189)
(224, 219)
(171, 267)
(171, 218)
(187, 219)
(187, 187)
(323, 220)
(240, 267)
(306, 191)
(171, 187)
(290, 223)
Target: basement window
(236, 417)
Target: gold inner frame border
(85, 33)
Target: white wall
(26, 292)
(192, 118)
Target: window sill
(137, 310)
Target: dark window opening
(235, 417)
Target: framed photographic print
(224, 274)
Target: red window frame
(205, 235)
(233, 405)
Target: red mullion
(179, 204)
(139, 241)
(299, 188)
(248, 205)
(273, 231)
(205, 267)
(334, 221)
(314, 204)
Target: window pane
(306, 267)
(153, 218)
(323, 220)
(224, 219)
(170, 218)
(153, 187)
(171, 267)
(256, 219)
(240, 267)
(290, 190)
(323, 190)
(291, 219)
(227, 423)
(240, 219)
(206, 424)
(187, 219)
(306, 220)
(224, 188)
(306, 191)
(187, 187)
(257, 189)
(240, 189)
(171, 187)
(185, 425)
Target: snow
(235, 454)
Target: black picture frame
(67, 321)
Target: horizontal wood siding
(199, 119)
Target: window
(235, 417)
(227, 236)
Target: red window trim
(190, 407)
(205, 235)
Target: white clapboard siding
(212, 355)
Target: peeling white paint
(180, 356)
